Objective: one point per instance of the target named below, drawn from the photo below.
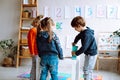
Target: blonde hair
(37, 20)
(46, 24)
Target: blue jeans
(49, 63)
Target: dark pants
(33, 69)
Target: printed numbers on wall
(88, 12)
(111, 11)
(77, 11)
(101, 11)
(58, 13)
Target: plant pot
(7, 62)
(26, 15)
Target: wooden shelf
(22, 36)
(29, 5)
(25, 57)
(23, 44)
(110, 57)
(28, 19)
(24, 30)
(106, 45)
(109, 50)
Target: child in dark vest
(89, 46)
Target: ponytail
(46, 24)
(37, 20)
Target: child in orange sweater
(32, 45)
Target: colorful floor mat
(61, 76)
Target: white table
(75, 74)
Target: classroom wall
(9, 20)
(10, 11)
(99, 24)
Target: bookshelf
(28, 12)
(108, 45)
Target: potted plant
(117, 33)
(9, 50)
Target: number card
(58, 13)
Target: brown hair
(36, 20)
(46, 24)
(78, 20)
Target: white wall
(9, 20)
(10, 11)
(98, 24)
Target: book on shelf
(25, 2)
(24, 27)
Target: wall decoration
(46, 11)
(58, 13)
(88, 12)
(67, 12)
(118, 12)
(107, 41)
(77, 10)
(101, 11)
(58, 25)
(111, 11)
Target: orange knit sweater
(32, 41)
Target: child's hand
(73, 53)
(60, 57)
(73, 44)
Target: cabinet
(28, 12)
(118, 68)
(108, 47)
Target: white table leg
(78, 68)
(75, 69)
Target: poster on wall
(88, 12)
(77, 11)
(118, 12)
(111, 11)
(67, 12)
(107, 41)
(58, 13)
(59, 25)
(101, 11)
(46, 11)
